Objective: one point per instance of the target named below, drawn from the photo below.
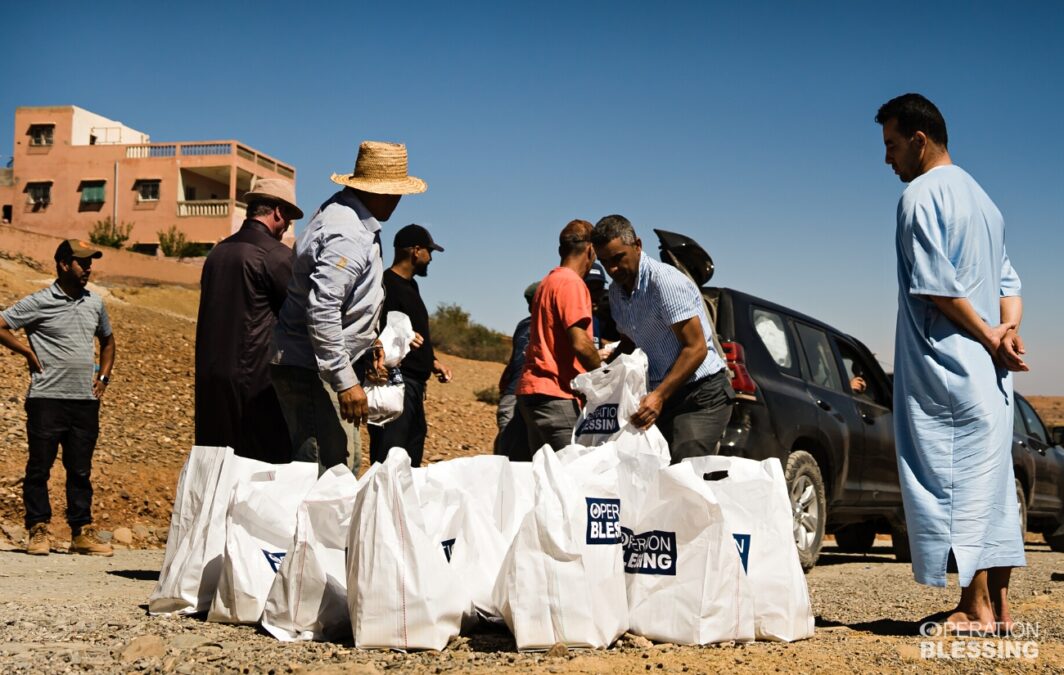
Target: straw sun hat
(381, 169)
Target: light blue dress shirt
(330, 316)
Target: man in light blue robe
(959, 311)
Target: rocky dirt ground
(66, 613)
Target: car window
(823, 370)
(1018, 427)
(773, 334)
(856, 366)
(1034, 425)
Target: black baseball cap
(415, 235)
(76, 248)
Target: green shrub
(174, 244)
(453, 332)
(489, 395)
(106, 233)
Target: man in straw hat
(243, 285)
(63, 402)
(326, 332)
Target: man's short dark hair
(613, 227)
(261, 207)
(913, 113)
(575, 238)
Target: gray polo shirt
(61, 331)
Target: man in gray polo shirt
(63, 402)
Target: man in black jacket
(244, 283)
(413, 253)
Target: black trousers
(51, 423)
(407, 431)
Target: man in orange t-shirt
(560, 343)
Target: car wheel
(1021, 501)
(805, 487)
(856, 538)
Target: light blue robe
(953, 407)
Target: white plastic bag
(308, 599)
(402, 593)
(563, 577)
(196, 542)
(259, 527)
(386, 400)
(612, 393)
(686, 583)
(489, 481)
(753, 498)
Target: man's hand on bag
(354, 407)
(378, 372)
(649, 411)
(417, 341)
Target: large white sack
(686, 582)
(612, 393)
(259, 527)
(402, 593)
(471, 541)
(196, 541)
(308, 599)
(385, 401)
(488, 480)
(563, 577)
(756, 507)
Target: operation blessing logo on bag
(602, 420)
(651, 552)
(742, 542)
(274, 558)
(448, 545)
(603, 520)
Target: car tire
(899, 541)
(1022, 501)
(805, 487)
(856, 538)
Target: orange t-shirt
(562, 300)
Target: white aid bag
(489, 482)
(753, 497)
(686, 582)
(563, 576)
(308, 599)
(612, 393)
(402, 593)
(385, 401)
(259, 527)
(471, 541)
(196, 541)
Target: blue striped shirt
(663, 296)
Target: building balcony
(212, 148)
(210, 208)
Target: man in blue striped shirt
(661, 311)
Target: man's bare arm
(1011, 350)
(961, 312)
(693, 352)
(584, 348)
(9, 340)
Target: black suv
(799, 400)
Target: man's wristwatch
(104, 378)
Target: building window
(92, 191)
(41, 134)
(147, 190)
(39, 194)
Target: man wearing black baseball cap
(413, 253)
(63, 401)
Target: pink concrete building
(72, 168)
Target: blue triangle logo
(273, 558)
(742, 542)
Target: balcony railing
(209, 208)
(152, 150)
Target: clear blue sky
(748, 126)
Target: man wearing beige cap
(243, 285)
(63, 401)
(326, 332)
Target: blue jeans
(312, 412)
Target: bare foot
(1003, 617)
(960, 621)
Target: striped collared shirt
(330, 316)
(663, 296)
